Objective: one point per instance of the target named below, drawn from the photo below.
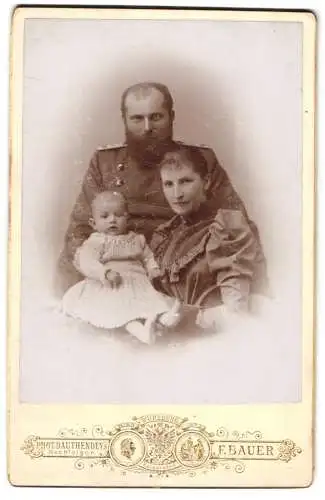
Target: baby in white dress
(118, 266)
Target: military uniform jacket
(112, 168)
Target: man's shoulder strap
(200, 146)
(111, 146)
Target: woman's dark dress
(209, 258)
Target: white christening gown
(95, 302)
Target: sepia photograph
(163, 222)
(161, 211)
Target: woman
(207, 257)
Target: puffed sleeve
(232, 248)
(222, 195)
(87, 258)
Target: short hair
(108, 194)
(189, 154)
(138, 87)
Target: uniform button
(120, 167)
(119, 182)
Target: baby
(118, 266)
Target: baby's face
(110, 216)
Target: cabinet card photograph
(161, 253)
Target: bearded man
(132, 168)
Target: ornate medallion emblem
(192, 449)
(161, 445)
(127, 448)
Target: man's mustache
(148, 138)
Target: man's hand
(113, 278)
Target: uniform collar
(137, 161)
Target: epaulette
(111, 146)
(193, 145)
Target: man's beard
(148, 150)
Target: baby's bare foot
(146, 332)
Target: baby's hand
(113, 278)
(105, 258)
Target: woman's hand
(113, 278)
(221, 317)
(154, 273)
